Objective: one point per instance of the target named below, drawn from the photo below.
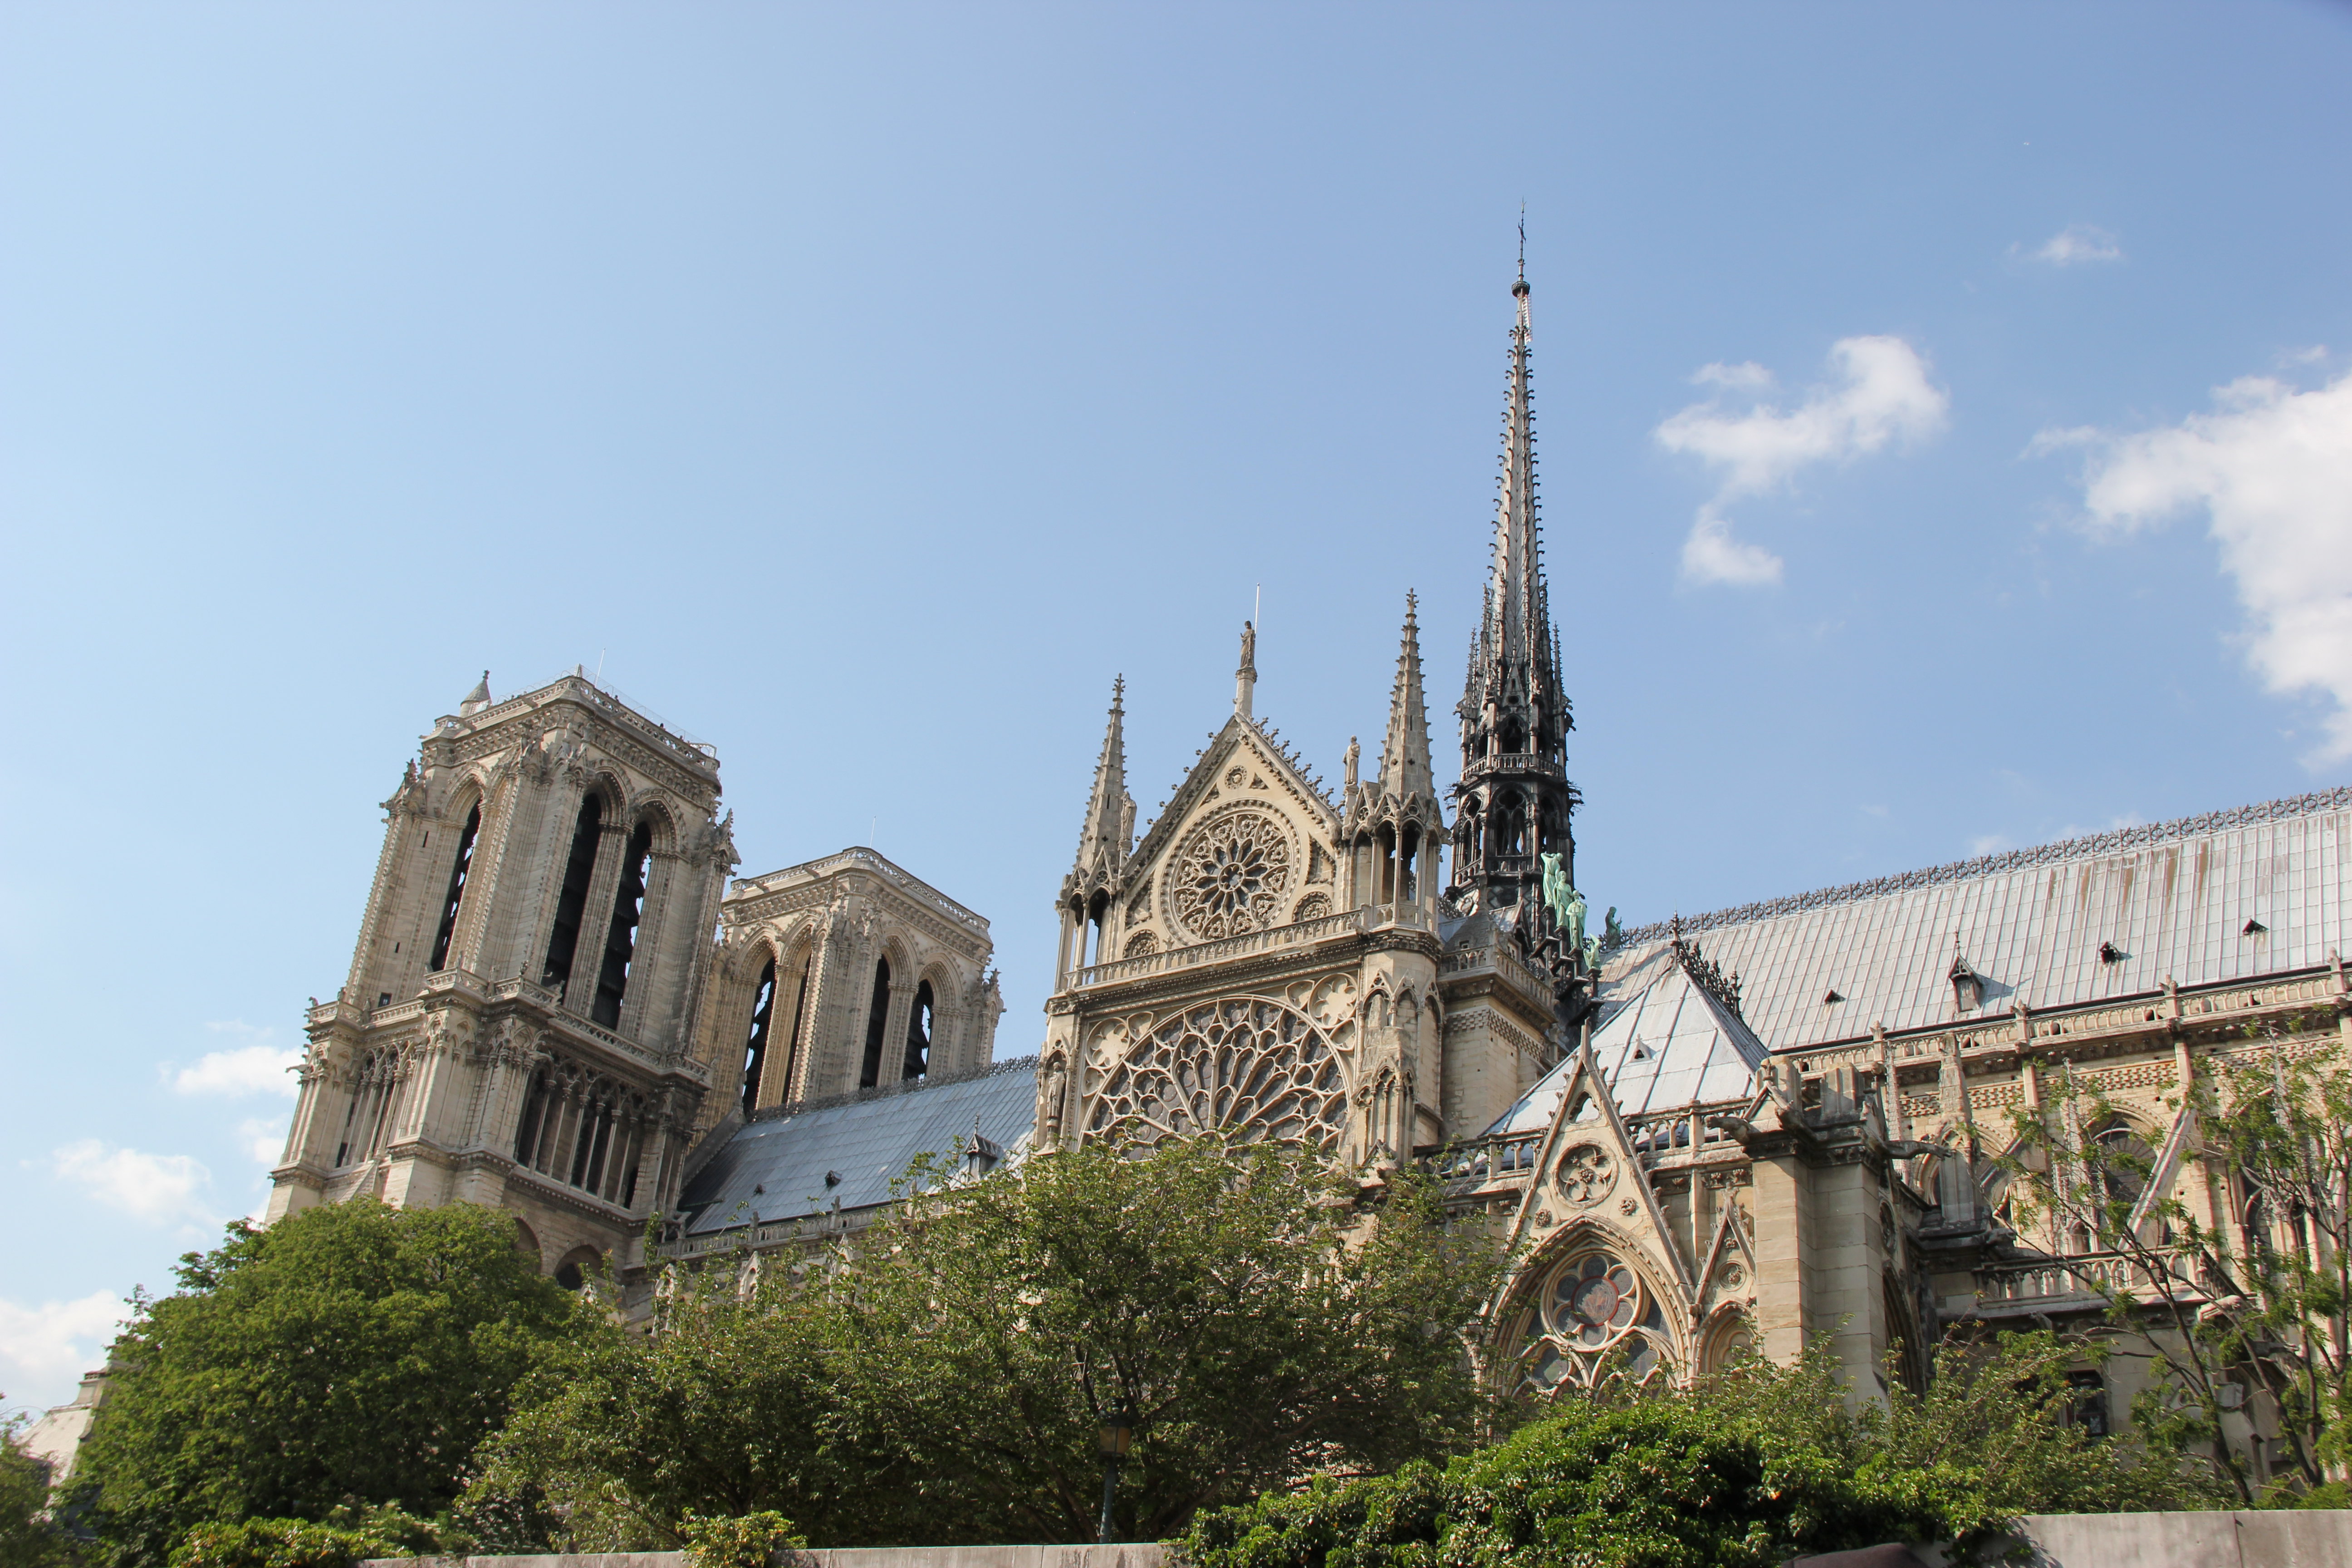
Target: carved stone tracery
(1232, 876)
(1249, 1068)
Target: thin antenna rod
(1257, 606)
(1523, 241)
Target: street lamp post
(1117, 1431)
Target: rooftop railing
(2091, 1277)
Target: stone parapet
(1132, 1555)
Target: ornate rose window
(1596, 1302)
(1232, 876)
(1251, 1068)
(1590, 1315)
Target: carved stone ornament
(1585, 1175)
(1231, 877)
(1543, 1218)
(1251, 1068)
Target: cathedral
(1755, 1128)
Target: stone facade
(841, 974)
(537, 1016)
(1687, 1161)
(1761, 1127)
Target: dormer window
(1968, 985)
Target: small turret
(1391, 827)
(477, 699)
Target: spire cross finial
(1118, 692)
(1523, 242)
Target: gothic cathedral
(1757, 1128)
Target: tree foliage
(729, 1409)
(2241, 1305)
(349, 1352)
(1747, 1470)
(943, 1380)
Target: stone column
(1781, 1195)
(644, 1018)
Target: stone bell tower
(515, 1026)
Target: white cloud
(2272, 469)
(1880, 395)
(1711, 556)
(45, 1349)
(248, 1069)
(1748, 375)
(263, 1138)
(153, 1187)
(2077, 244)
(1987, 844)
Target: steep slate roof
(1661, 1039)
(2172, 898)
(868, 1142)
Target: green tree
(1244, 1311)
(1746, 1470)
(942, 1379)
(351, 1351)
(621, 1440)
(2247, 1306)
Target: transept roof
(2230, 895)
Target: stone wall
(2309, 1537)
(1137, 1554)
(2299, 1537)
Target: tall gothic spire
(1405, 768)
(1515, 804)
(1103, 842)
(1514, 677)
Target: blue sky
(1943, 424)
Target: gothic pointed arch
(1589, 1306)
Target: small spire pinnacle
(477, 699)
(1406, 767)
(1110, 810)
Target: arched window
(621, 939)
(572, 903)
(457, 890)
(918, 1033)
(877, 1020)
(2123, 1162)
(576, 1267)
(756, 1052)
